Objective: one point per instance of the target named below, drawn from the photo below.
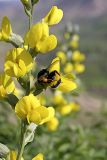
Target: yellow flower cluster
(77, 58)
(74, 64)
(18, 62)
(29, 108)
(38, 36)
(62, 106)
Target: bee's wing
(55, 65)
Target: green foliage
(76, 138)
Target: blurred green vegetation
(79, 136)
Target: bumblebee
(52, 79)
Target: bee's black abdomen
(57, 84)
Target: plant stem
(30, 21)
(22, 140)
(30, 17)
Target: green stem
(30, 21)
(30, 17)
(22, 141)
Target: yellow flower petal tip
(7, 85)
(6, 29)
(38, 157)
(52, 125)
(55, 65)
(29, 108)
(62, 56)
(67, 84)
(54, 16)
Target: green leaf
(12, 100)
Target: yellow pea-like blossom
(68, 67)
(64, 109)
(52, 125)
(29, 108)
(78, 56)
(7, 85)
(75, 106)
(6, 30)
(13, 155)
(18, 62)
(62, 56)
(79, 68)
(75, 41)
(38, 157)
(67, 82)
(58, 99)
(39, 39)
(54, 16)
(74, 44)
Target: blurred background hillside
(90, 15)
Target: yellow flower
(52, 125)
(13, 155)
(68, 68)
(38, 157)
(62, 56)
(58, 98)
(75, 106)
(54, 16)
(79, 68)
(74, 44)
(64, 109)
(7, 85)
(29, 107)
(18, 62)
(39, 39)
(67, 83)
(6, 29)
(77, 56)
(75, 41)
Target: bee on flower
(52, 77)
